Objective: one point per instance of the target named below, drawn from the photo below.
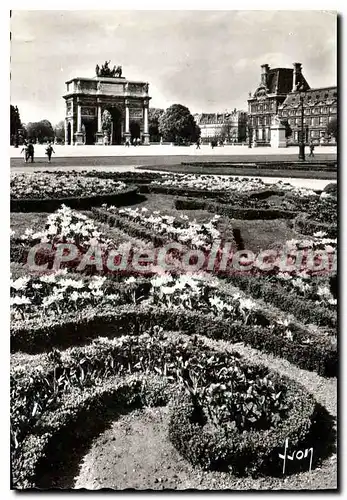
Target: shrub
(232, 211)
(125, 197)
(249, 451)
(318, 354)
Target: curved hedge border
(303, 309)
(231, 211)
(124, 197)
(319, 355)
(50, 440)
(303, 224)
(248, 452)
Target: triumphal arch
(126, 102)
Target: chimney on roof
(264, 73)
(296, 76)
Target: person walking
(49, 151)
(26, 152)
(31, 151)
(311, 150)
(198, 144)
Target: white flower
(247, 304)
(18, 301)
(288, 335)
(20, 283)
(74, 296)
(130, 280)
(52, 229)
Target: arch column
(66, 132)
(99, 134)
(127, 135)
(79, 134)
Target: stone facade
(320, 106)
(231, 124)
(87, 98)
(278, 94)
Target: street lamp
(250, 136)
(302, 135)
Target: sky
(207, 60)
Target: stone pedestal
(278, 136)
(145, 138)
(79, 139)
(99, 138)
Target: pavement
(168, 150)
(124, 159)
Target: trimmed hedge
(305, 225)
(228, 210)
(324, 165)
(124, 197)
(249, 452)
(319, 355)
(81, 415)
(305, 310)
(172, 190)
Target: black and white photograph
(173, 250)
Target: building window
(324, 109)
(305, 121)
(333, 109)
(295, 135)
(322, 133)
(307, 111)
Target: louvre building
(279, 94)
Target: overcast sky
(206, 60)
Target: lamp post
(302, 135)
(250, 136)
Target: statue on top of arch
(106, 71)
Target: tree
(41, 131)
(177, 125)
(332, 127)
(15, 124)
(225, 131)
(153, 123)
(59, 131)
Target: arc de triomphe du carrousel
(106, 109)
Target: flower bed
(71, 227)
(308, 350)
(160, 228)
(39, 192)
(36, 186)
(59, 392)
(273, 291)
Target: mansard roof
(312, 97)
